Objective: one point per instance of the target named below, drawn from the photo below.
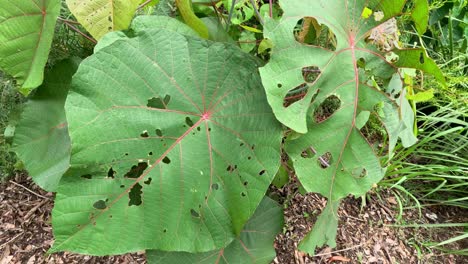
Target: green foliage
(332, 157)
(102, 16)
(252, 246)
(10, 105)
(172, 136)
(26, 31)
(48, 137)
(186, 135)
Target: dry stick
(31, 212)
(29, 190)
(77, 30)
(322, 160)
(259, 17)
(11, 240)
(271, 8)
(144, 4)
(337, 251)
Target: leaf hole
(246, 183)
(148, 181)
(144, 134)
(136, 170)
(150, 153)
(165, 231)
(243, 194)
(166, 160)
(198, 128)
(194, 213)
(327, 108)
(111, 173)
(359, 172)
(296, 94)
(159, 132)
(100, 205)
(122, 186)
(308, 31)
(135, 195)
(188, 121)
(215, 186)
(249, 158)
(262, 172)
(310, 73)
(325, 160)
(158, 102)
(308, 153)
(279, 85)
(361, 63)
(87, 176)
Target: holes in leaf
(279, 85)
(246, 183)
(122, 186)
(231, 168)
(135, 195)
(295, 94)
(136, 170)
(159, 132)
(87, 176)
(325, 160)
(150, 153)
(165, 231)
(188, 121)
(252, 147)
(111, 173)
(198, 128)
(194, 213)
(158, 102)
(166, 160)
(249, 158)
(361, 63)
(310, 73)
(215, 186)
(327, 108)
(421, 58)
(148, 181)
(309, 31)
(126, 154)
(144, 134)
(262, 172)
(359, 172)
(308, 153)
(100, 205)
(243, 194)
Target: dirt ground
(363, 236)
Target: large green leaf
(254, 245)
(173, 147)
(333, 157)
(41, 137)
(26, 31)
(102, 16)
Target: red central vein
(353, 123)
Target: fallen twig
(29, 190)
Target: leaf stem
(66, 22)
